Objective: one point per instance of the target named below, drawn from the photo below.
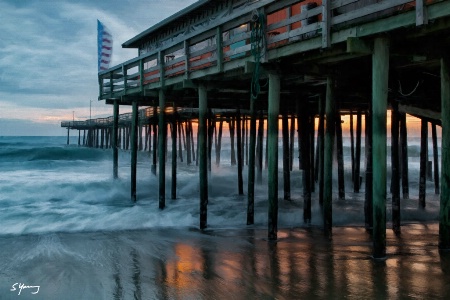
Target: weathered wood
(404, 163)
(259, 149)
(202, 158)
(210, 137)
(188, 144)
(174, 159)
(395, 177)
(162, 137)
(219, 143)
(286, 159)
(326, 23)
(291, 142)
(133, 137)
(352, 147)
(180, 137)
(311, 127)
(232, 135)
(155, 143)
(251, 166)
(304, 129)
(239, 153)
(421, 13)
(328, 157)
(368, 203)
(68, 133)
(357, 170)
(423, 163)
(340, 157)
(321, 147)
(380, 75)
(444, 211)
(435, 159)
(272, 124)
(114, 140)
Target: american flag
(105, 45)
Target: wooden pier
(289, 60)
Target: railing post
(111, 84)
(421, 13)
(326, 21)
(141, 74)
(219, 40)
(186, 59)
(161, 68)
(124, 74)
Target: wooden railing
(213, 49)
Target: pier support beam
(202, 155)
(162, 149)
(272, 124)
(114, 139)
(357, 167)
(330, 112)
(395, 185)
(423, 163)
(251, 165)
(134, 123)
(239, 152)
(286, 157)
(435, 159)
(174, 158)
(321, 147)
(340, 156)
(444, 213)
(368, 203)
(380, 73)
(404, 156)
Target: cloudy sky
(48, 57)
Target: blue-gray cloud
(48, 50)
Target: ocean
(68, 230)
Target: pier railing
(226, 41)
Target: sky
(48, 57)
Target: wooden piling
(202, 158)
(328, 157)
(259, 149)
(312, 145)
(134, 124)
(272, 124)
(210, 137)
(68, 133)
(395, 177)
(291, 142)
(162, 136)
(404, 162)
(79, 137)
(174, 158)
(180, 148)
(232, 131)
(340, 157)
(304, 128)
(435, 159)
(423, 163)
(352, 147)
(321, 146)
(286, 157)
(444, 212)
(380, 73)
(155, 144)
(188, 144)
(219, 143)
(239, 152)
(251, 165)
(357, 169)
(114, 139)
(368, 203)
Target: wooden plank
(175, 70)
(240, 37)
(367, 10)
(203, 51)
(421, 112)
(219, 51)
(296, 18)
(238, 50)
(339, 3)
(294, 33)
(202, 62)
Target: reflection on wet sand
(228, 264)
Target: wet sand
(224, 264)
